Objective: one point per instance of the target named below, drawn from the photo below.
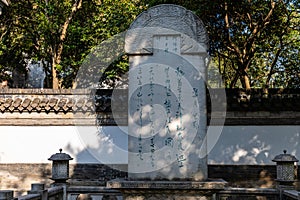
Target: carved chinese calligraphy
(167, 107)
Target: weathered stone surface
(167, 19)
(248, 194)
(167, 98)
(185, 190)
(167, 195)
(6, 194)
(179, 185)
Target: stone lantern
(60, 166)
(286, 168)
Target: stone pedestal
(167, 190)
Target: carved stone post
(6, 194)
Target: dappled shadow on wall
(19, 176)
(103, 158)
(254, 145)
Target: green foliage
(258, 41)
(255, 40)
(103, 20)
(277, 58)
(32, 29)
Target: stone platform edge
(210, 184)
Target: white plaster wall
(35, 144)
(236, 144)
(253, 144)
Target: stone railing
(291, 195)
(92, 192)
(37, 192)
(64, 192)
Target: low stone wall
(19, 177)
(95, 174)
(261, 176)
(247, 176)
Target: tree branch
(76, 6)
(274, 61)
(249, 46)
(59, 48)
(233, 48)
(259, 27)
(5, 32)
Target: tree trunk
(245, 82)
(58, 50)
(55, 81)
(241, 74)
(234, 80)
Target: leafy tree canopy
(60, 33)
(253, 43)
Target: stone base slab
(167, 190)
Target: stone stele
(167, 47)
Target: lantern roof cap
(60, 156)
(285, 157)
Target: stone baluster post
(6, 194)
(39, 188)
